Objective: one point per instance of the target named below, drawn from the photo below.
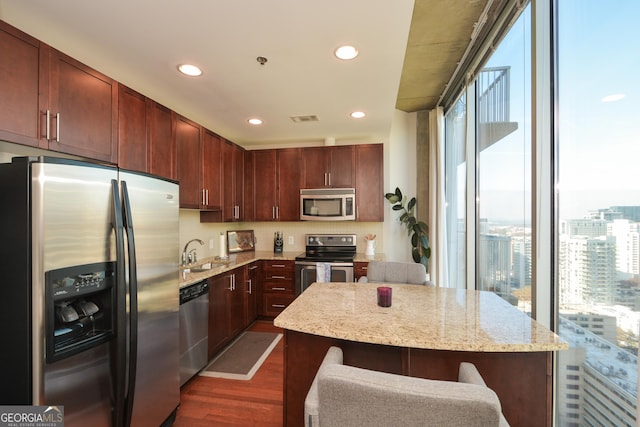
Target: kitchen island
(426, 333)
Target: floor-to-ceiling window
(455, 192)
(503, 109)
(594, 199)
(597, 246)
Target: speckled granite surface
(420, 317)
(235, 260)
(241, 258)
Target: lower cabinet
(277, 287)
(226, 308)
(359, 270)
(251, 292)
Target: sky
(598, 115)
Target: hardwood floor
(206, 401)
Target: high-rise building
(587, 272)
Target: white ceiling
(140, 43)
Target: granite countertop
(239, 259)
(420, 317)
(235, 260)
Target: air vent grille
(304, 119)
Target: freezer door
(155, 221)
(71, 214)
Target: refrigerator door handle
(133, 304)
(119, 350)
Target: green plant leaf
(411, 204)
(396, 207)
(398, 193)
(415, 254)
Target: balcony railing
(493, 84)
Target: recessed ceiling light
(358, 114)
(346, 52)
(189, 70)
(255, 121)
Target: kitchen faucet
(184, 252)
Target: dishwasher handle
(191, 292)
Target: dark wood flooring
(206, 401)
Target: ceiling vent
(303, 119)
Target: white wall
(399, 171)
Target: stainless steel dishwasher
(194, 329)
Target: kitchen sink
(208, 266)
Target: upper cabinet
(161, 143)
(332, 166)
(188, 136)
(145, 135)
(82, 110)
(276, 184)
(233, 181)
(132, 130)
(369, 183)
(20, 119)
(52, 101)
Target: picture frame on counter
(240, 241)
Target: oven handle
(332, 264)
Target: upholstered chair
(396, 272)
(346, 396)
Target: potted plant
(421, 252)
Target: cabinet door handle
(277, 265)
(278, 277)
(278, 289)
(250, 288)
(278, 305)
(277, 212)
(253, 267)
(273, 212)
(47, 125)
(57, 127)
(329, 180)
(206, 192)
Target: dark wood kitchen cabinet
(233, 181)
(198, 154)
(226, 308)
(210, 162)
(83, 109)
(50, 100)
(21, 76)
(369, 183)
(161, 143)
(276, 181)
(248, 199)
(360, 269)
(332, 166)
(188, 136)
(132, 130)
(145, 135)
(250, 291)
(277, 287)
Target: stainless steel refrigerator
(89, 292)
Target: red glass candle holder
(384, 296)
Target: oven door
(306, 273)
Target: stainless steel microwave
(328, 204)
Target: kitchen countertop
(235, 260)
(422, 317)
(239, 259)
